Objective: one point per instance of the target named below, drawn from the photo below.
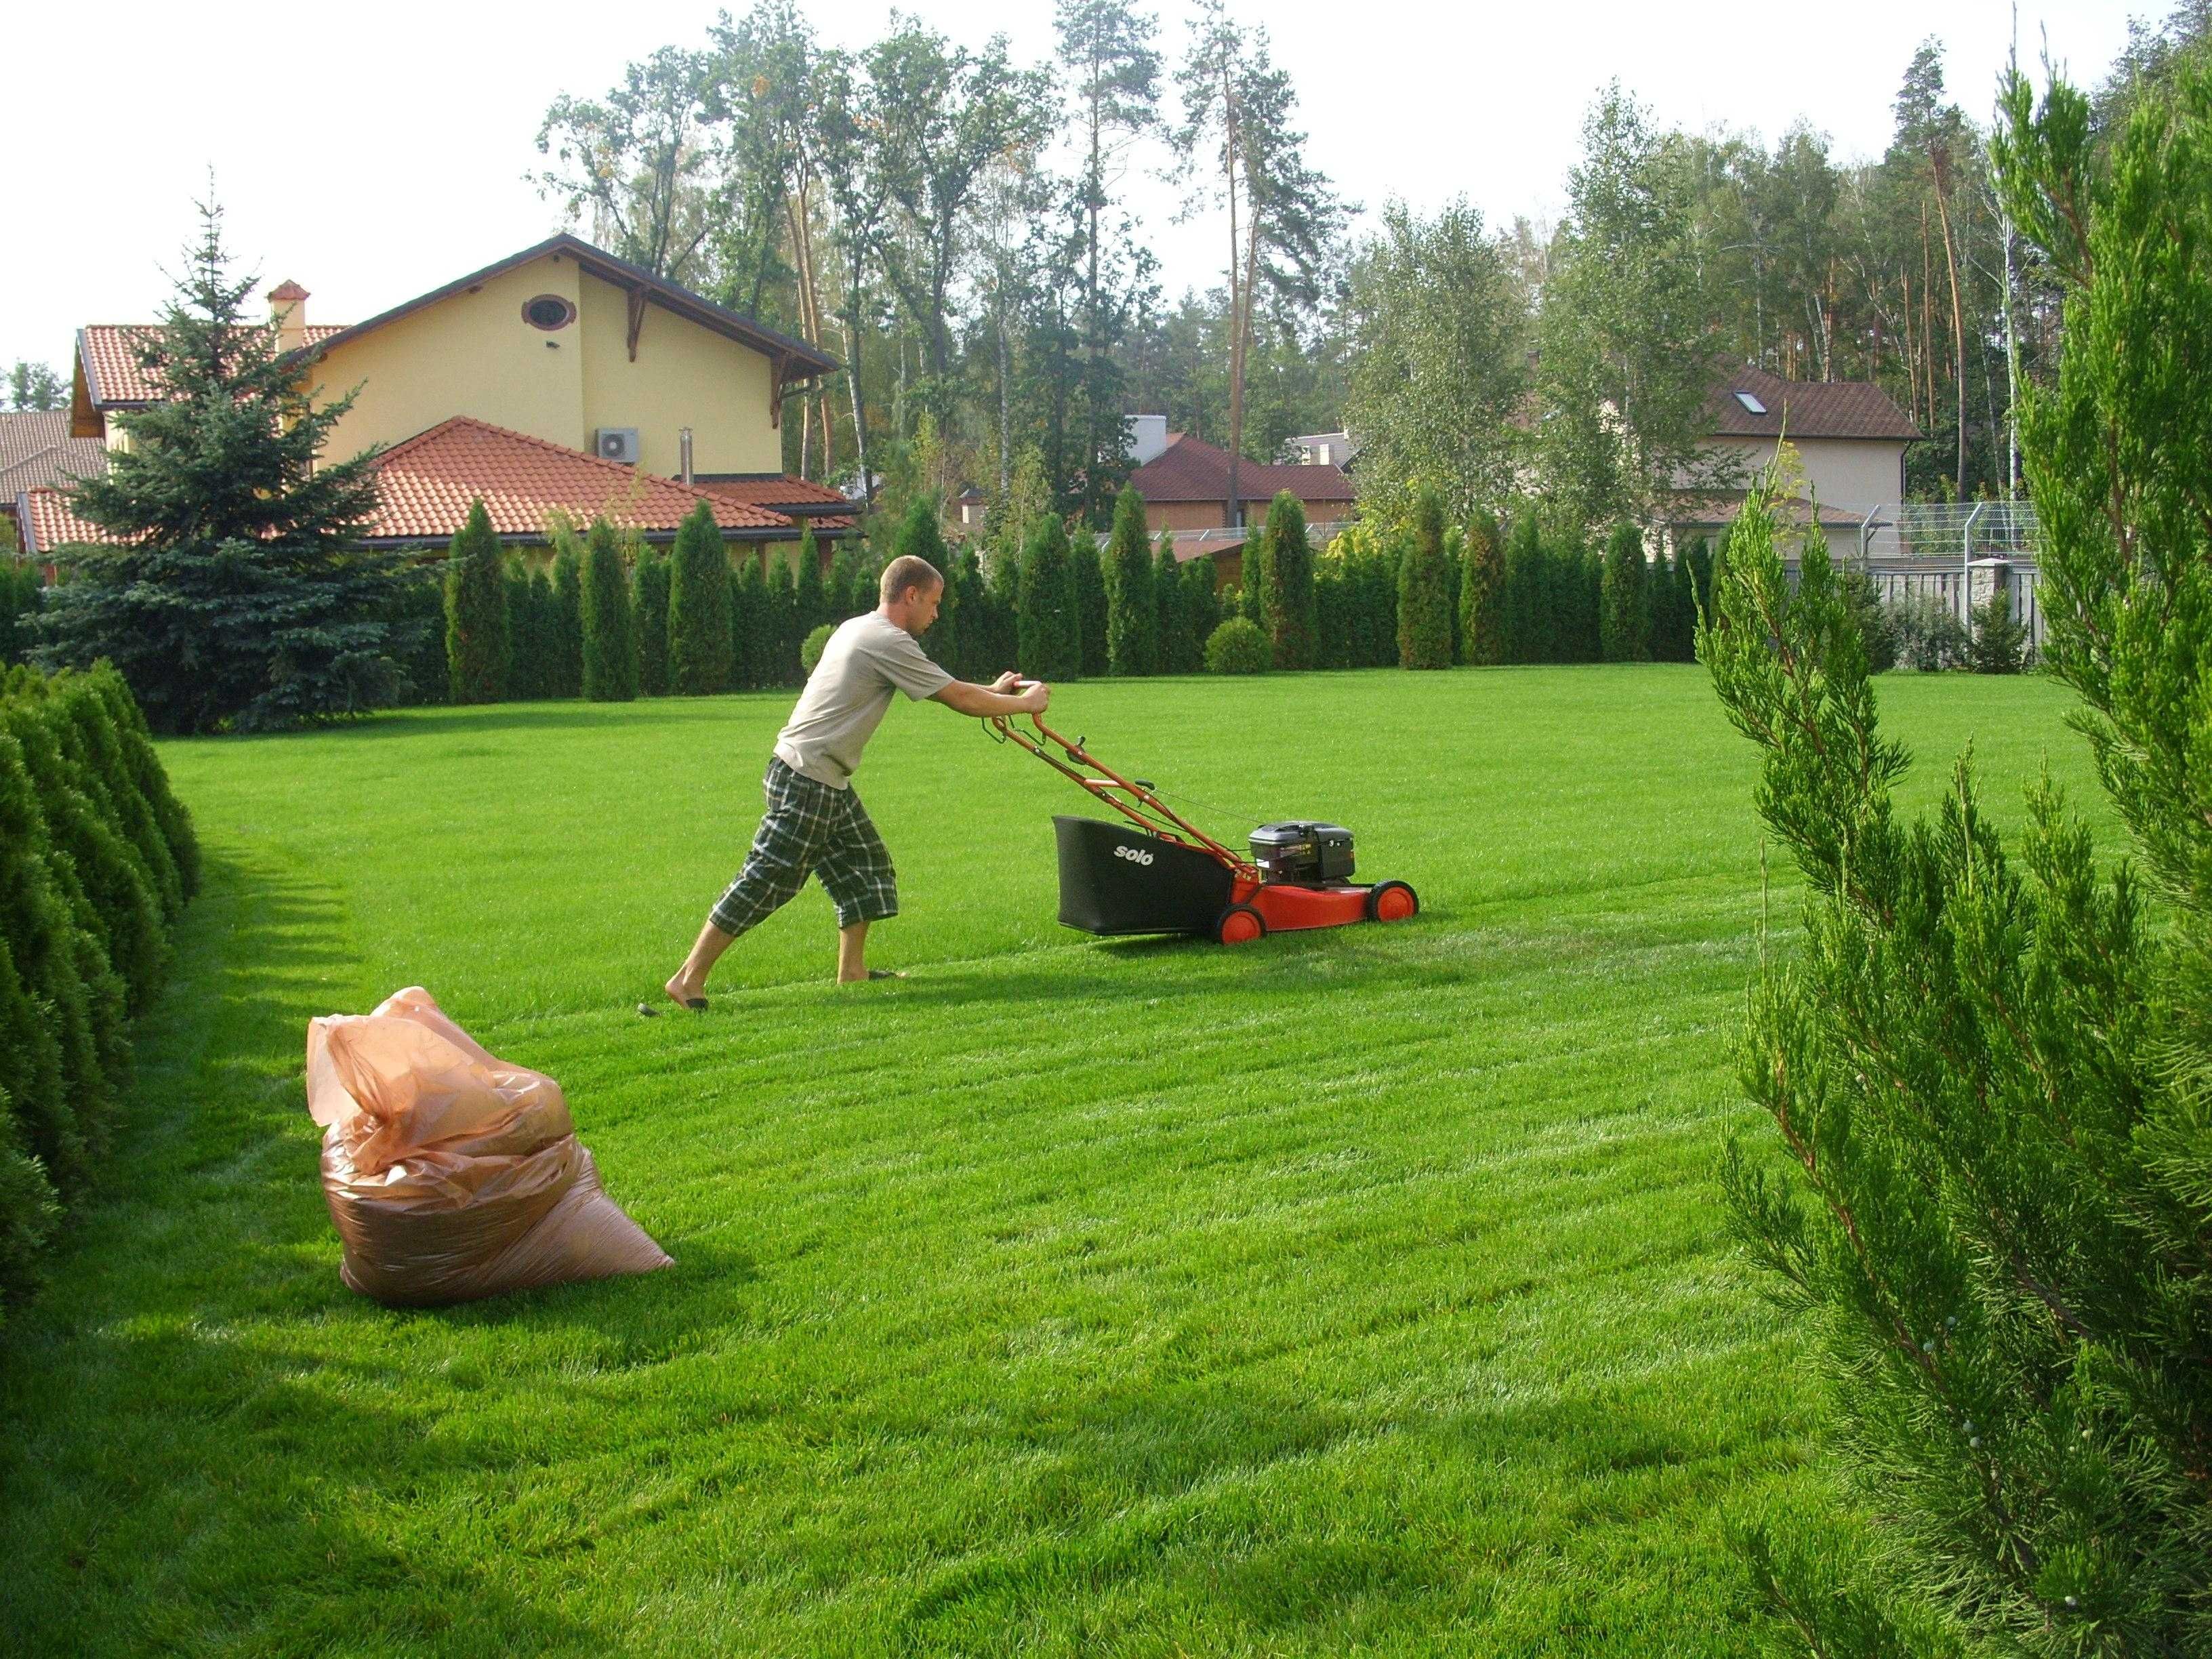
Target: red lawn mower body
(1160, 873)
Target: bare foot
(685, 994)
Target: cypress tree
(1167, 600)
(699, 608)
(22, 596)
(1424, 590)
(1332, 622)
(477, 646)
(1482, 594)
(1051, 630)
(28, 1211)
(813, 602)
(649, 604)
(565, 658)
(779, 622)
(545, 628)
(1201, 608)
(522, 662)
(850, 591)
(1286, 585)
(966, 640)
(749, 616)
(1087, 578)
(86, 728)
(423, 664)
(609, 628)
(235, 593)
(1625, 602)
(1701, 576)
(1132, 617)
(134, 744)
(1003, 582)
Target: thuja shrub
(1239, 646)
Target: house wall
(684, 375)
(1860, 473)
(473, 354)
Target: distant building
(1186, 489)
(1321, 449)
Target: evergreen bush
(1132, 617)
(610, 628)
(1086, 578)
(2000, 645)
(699, 618)
(1522, 595)
(1288, 609)
(1238, 646)
(86, 728)
(1855, 585)
(749, 624)
(523, 661)
(134, 746)
(779, 621)
(1927, 631)
(22, 596)
(849, 591)
(1051, 637)
(811, 647)
(1177, 653)
(1424, 589)
(1002, 578)
(565, 638)
(476, 645)
(1482, 593)
(28, 1211)
(813, 603)
(426, 674)
(649, 605)
(1624, 601)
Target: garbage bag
(451, 1173)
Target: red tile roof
(44, 518)
(108, 353)
(1191, 469)
(425, 485)
(774, 491)
(1805, 408)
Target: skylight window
(1751, 403)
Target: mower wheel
(1240, 924)
(1392, 900)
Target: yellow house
(560, 378)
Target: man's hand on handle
(1034, 695)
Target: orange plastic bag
(451, 1174)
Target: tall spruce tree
(1286, 592)
(1133, 620)
(565, 638)
(1051, 643)
(649, 604)
(235, 594)
(1988, 1067)
(609, 628)
(477, 647)
(1481, 593)
(1424, 589)
(1624, 601)
(699, 608)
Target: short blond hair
(907, 571)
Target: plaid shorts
(810, 826)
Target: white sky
(376, 151)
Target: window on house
(548, 312)
(1751, 403)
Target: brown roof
(1805, 408)
(796, 359)
(1191, 469)
(426, 484)
(108, 355)
(43, 520)
(772, 490)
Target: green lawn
(1355, 1291)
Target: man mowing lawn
(815, 821)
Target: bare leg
(691, 980)
(852, 953)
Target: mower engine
(1309, 854)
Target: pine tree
(476, 645)
(1624, 603)
(1424, 590)
(1132, 618)
(699, 608)
(1087, 578)
(237, 595)
(1286, 590)
(649, 605)
(565, 658)
(1175, 656)
(1482, 593)
(1051, 643)
(610, 629)
(813, 602)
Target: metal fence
(1957, 553)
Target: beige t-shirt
(866, 659)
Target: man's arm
(997, 698)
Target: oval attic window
(548, 312)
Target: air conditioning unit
(616, 443)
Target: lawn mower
(1168, 876)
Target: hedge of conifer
(97, 858)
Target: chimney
(685, 448)
(287, 309)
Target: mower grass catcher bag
(451, 1174)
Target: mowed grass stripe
(1359, 1291)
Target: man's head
(912, 590)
